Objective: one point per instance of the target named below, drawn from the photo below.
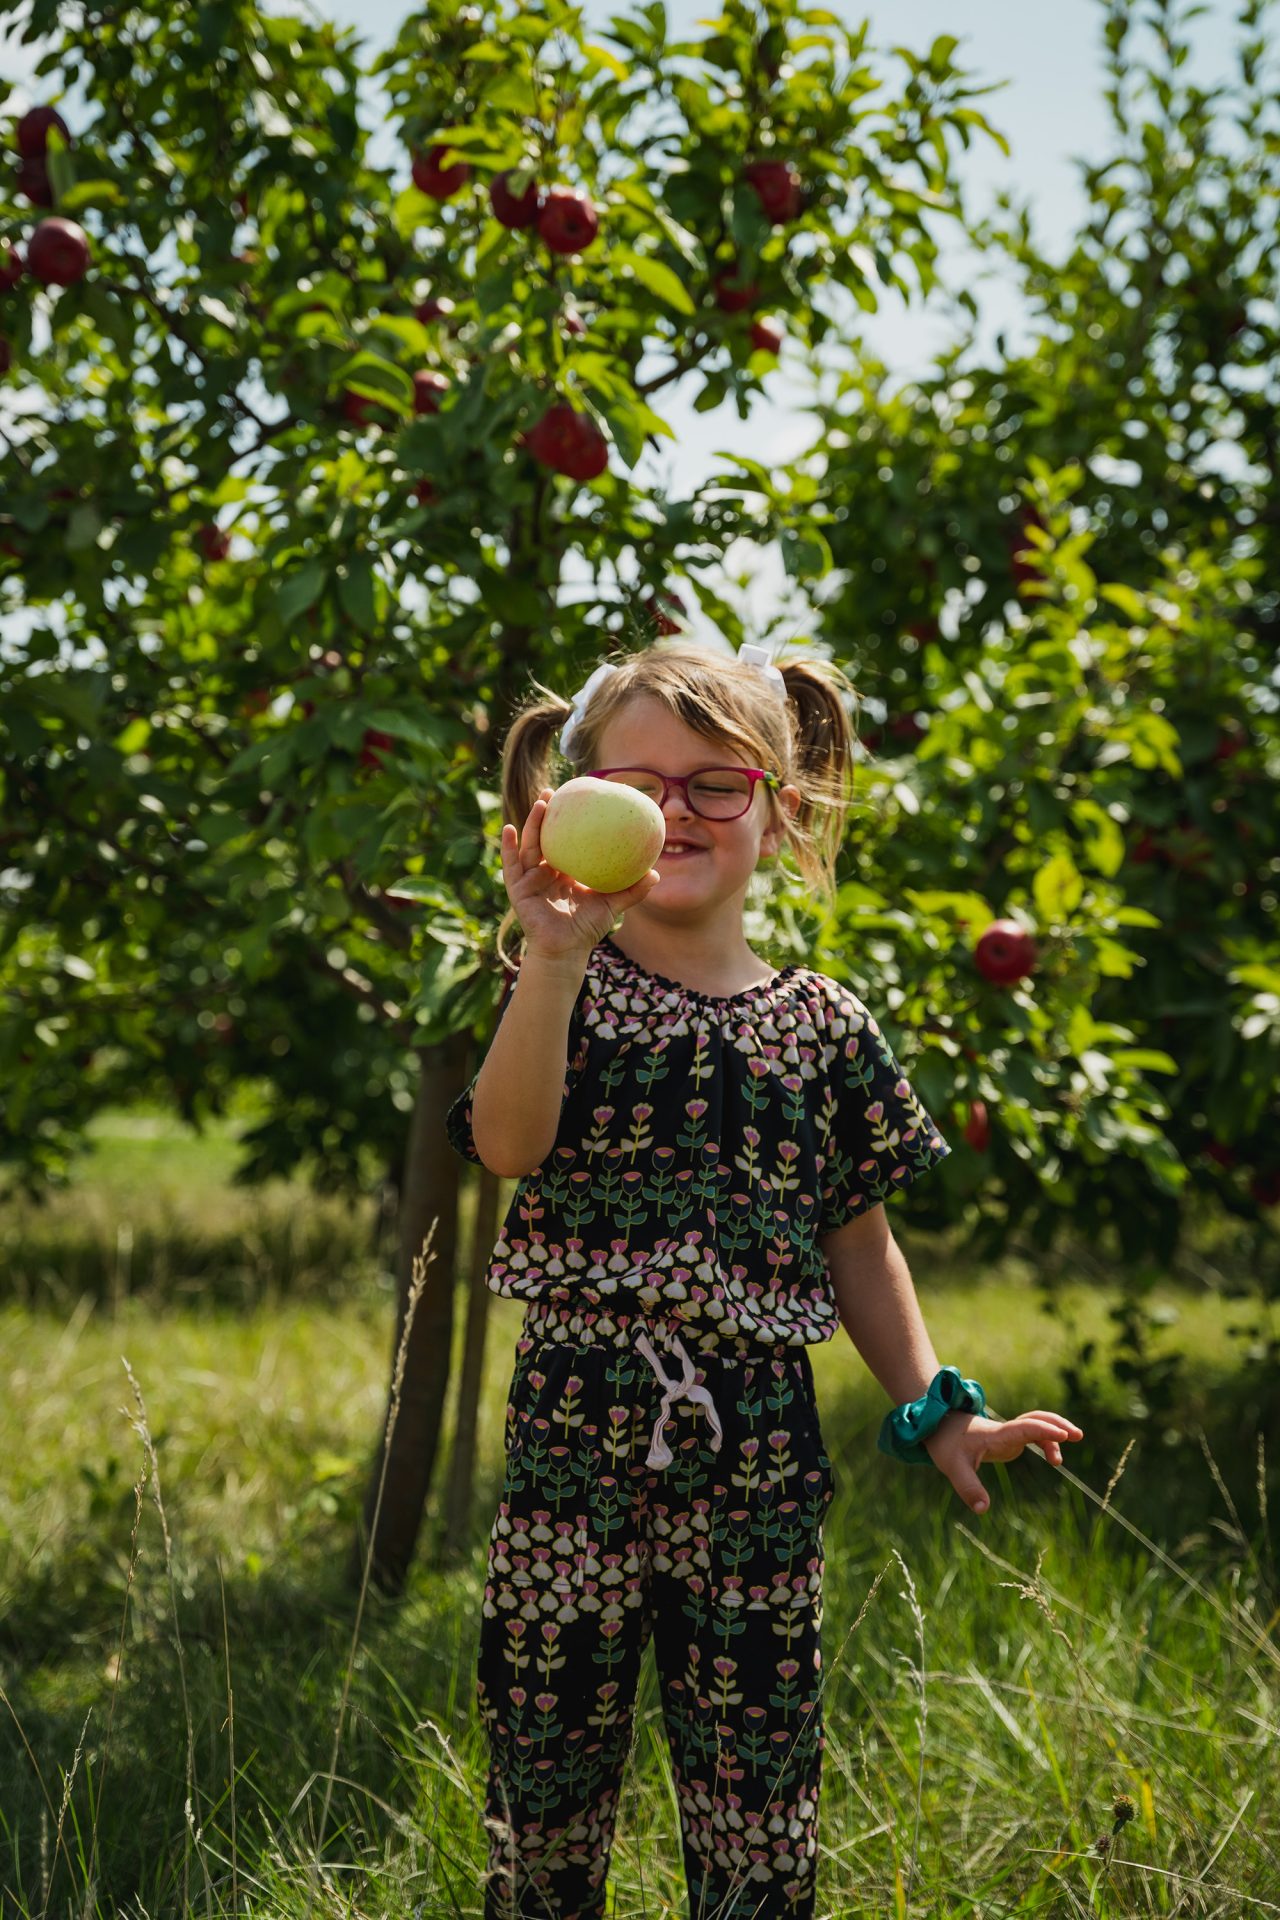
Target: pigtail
(526, 769)
(823, 700)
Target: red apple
(430, 176)
(907, 727)
(369, 747)
(1218, 1150)
(977, 1129)
(871, 738)
(6, 355)
(514, 209)
(33, 131)
(1005, 953)
(1232, 739)
(733, 294)
(257, 701)
(569, 442)
(567, 221)
(779, 188)
(58, 252)
(1145, 848)
(425, 493)
(436, 308)
(428, 387)
(766, 336)
(12, 267)
(32, 179)
(214, 541)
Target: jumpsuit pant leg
(716, 1554)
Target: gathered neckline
(692, 993)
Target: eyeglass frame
(681, 780)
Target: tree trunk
(429, 1191)
(462, 1464)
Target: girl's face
(724, 853)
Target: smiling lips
(678, 847)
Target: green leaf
(90, 193)
(601, 57)
(134, 737)
(805, 555)
(415, 728)
(1057, 888)
(712, 393)
(377, 379)
(1128, 599)
(355, 593)
(300, 591)
(660, 280)
(686, 244)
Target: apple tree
(1060, 570)
(310, 467)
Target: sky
(1048, 63)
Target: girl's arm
(515, 1108)
(881, 1315)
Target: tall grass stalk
(115, 1670)
(421, 1264)
(192, 1834)
(922, 1719)
(67, 1786)
(231, 1741)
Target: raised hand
(964, 1440)
(561, 918)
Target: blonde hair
(808, 741)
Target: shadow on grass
(264, 1694)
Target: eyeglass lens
(715, 794)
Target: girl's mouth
(675, 851)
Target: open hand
(964, 1440)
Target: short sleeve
(457, 1121)
(878, 1136)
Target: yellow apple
(602, 834)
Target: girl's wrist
(906, 1428)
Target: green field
(993, 1686)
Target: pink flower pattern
(705, 1146)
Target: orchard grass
(1070, 1706)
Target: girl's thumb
(971, 1491)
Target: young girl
(704, 1146)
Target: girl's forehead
(644, 732)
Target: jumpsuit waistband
(644, 1333)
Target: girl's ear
(789, 799)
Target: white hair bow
(754, 656)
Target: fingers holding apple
(564, 910)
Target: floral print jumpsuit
(666, 1476)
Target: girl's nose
(675, 797)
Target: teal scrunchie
(906, 1426)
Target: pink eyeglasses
(714, 793)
